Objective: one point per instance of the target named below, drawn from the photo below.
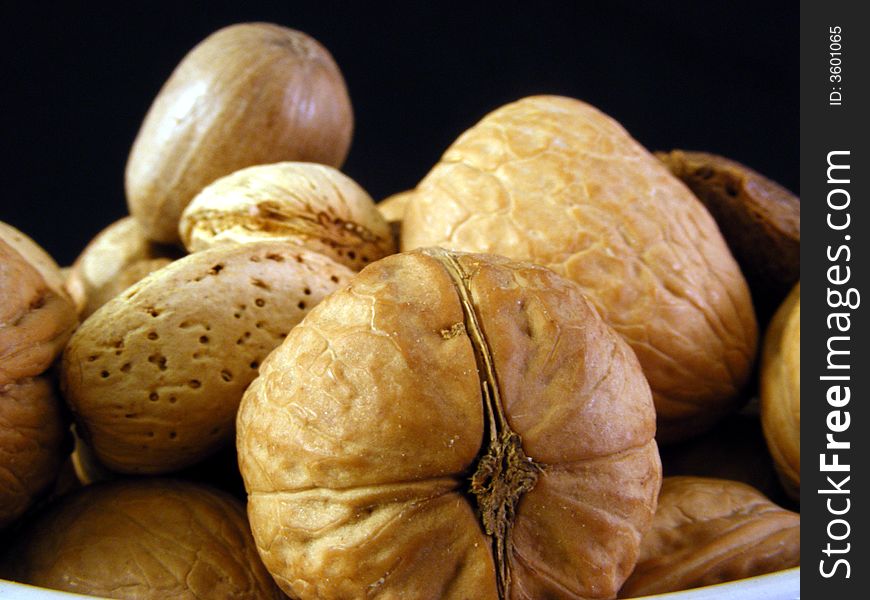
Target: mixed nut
(477, 416)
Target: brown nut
(781, 391)
(313, 206)
(141, 539)
(760, 219)
(460, 424)
(115, 259)
(554, 181)
(33, 444)
(708, 531)
(155, 376)
(249, 94)
(36, 314)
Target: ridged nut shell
(249, 94)
(781, 391)
(37, 316)
(33, 443)
(143, 539)
(709, 531)
(314, 206)
(554, 181)
(155, 376)
(369, 429)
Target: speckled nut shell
(457, 425)
(33, 443)
(781, 391)
(314, 206)
(155, 376)
(143, 539)
(249, 94)
(36, 314)
(116, 258)
(708, 531)
(760, 220)
(554, 181)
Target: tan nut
(554, 181)
(155, 376)
(314, 206)
(708, 531)
(249, 94)
(143, 539)
(781, 391)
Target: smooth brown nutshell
(36, 315)
(155, 376)
(314, 206)
(781, 391)
(554, 181)
(450, 426)
(249, 94)
(709, 531)
(33, 444)
(116, 258)
(760, 219)
(143, 539)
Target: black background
(77, 81)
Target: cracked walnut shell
(450, 425)
(142, 539)
(552, 180)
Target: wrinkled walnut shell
(457, 424)
(554, 181)
(781, 391)
(760, 219)
(249, 94)
(314, 206)
(36, 314)
(155, 376)
(33, 443)
(709, 531)
(143, 539)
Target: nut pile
(528, 401)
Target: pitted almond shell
(33, 443)
(155, 376)
(37, 316)
(143, 538)
(781, 391)
(116, 258)
(311, 205)
(552, 180)
(709, 531)
(460, 424)
(249, 94)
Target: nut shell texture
(781, 391)
(36, 314)
(708, 531)
(116, 258)
(33, 443)
(249, 94)
(155, 376)
(554, 181)
(314, 206)
(143, 539)
(358, 440)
